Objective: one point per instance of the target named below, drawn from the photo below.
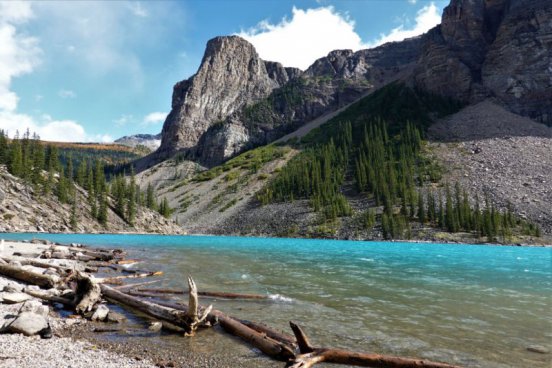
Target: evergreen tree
(102, 212)
(421, 208)
(74, 215)
(131, 201)
(62, 188)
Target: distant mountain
(150, 141)
(236, 101)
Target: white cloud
(154, 118)
(307, 36)
(66, 93)
(46, 128)
(20, 55)
(412, 1)
(103, 138)
(137, 9)
(426, 18)
(123, 120)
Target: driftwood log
(209, 294)
(18, 273)
(310, 356)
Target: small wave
(244, 276)
(280, 298)
(367, 259)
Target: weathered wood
(161, 291)
(195, 319)
(87, 294)
(36, 263)
(173, 316)
(50, 298)
(148, 295)
(211, 294)
(273, 348)
(270, 332)
(135, 285)
(310, 356)
(107, 280)
(45, 281)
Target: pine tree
(62, 187)
(421, 208)
(74, 215)
(102, 212)
(131, 200)
(16, 158)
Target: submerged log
(171, 315)
(108, 280)
(135, 285)
(45, 281)
(273, 347)
(309, 356)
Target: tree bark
(310, 356)
(44, 281)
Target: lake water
(478, 306)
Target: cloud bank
(20, 55)
(426, 18)
(307, 36)
(313, 33)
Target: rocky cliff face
(231, 75)
(237, 100)
(498, 48)
(483, 48)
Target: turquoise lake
(473, 305)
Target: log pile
(74, 286)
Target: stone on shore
(28, 323)
(101, 313)
(14, 298)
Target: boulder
(155, 326)
(36, 307)
(14, 298)
(101, 313)
(28, 323)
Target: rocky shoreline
(55, 336)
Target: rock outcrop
(492, 48)
(151, 141)
(231, 75)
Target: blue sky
(95, 71)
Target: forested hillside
(370, 173)
(80, 184)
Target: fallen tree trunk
(49, 298)
(274, 348)
(108, 280)
(45, 281)
(310, 356)
(35, 263)
(136, 284)
(211, 294)
(171, 315)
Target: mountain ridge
(481, 49)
